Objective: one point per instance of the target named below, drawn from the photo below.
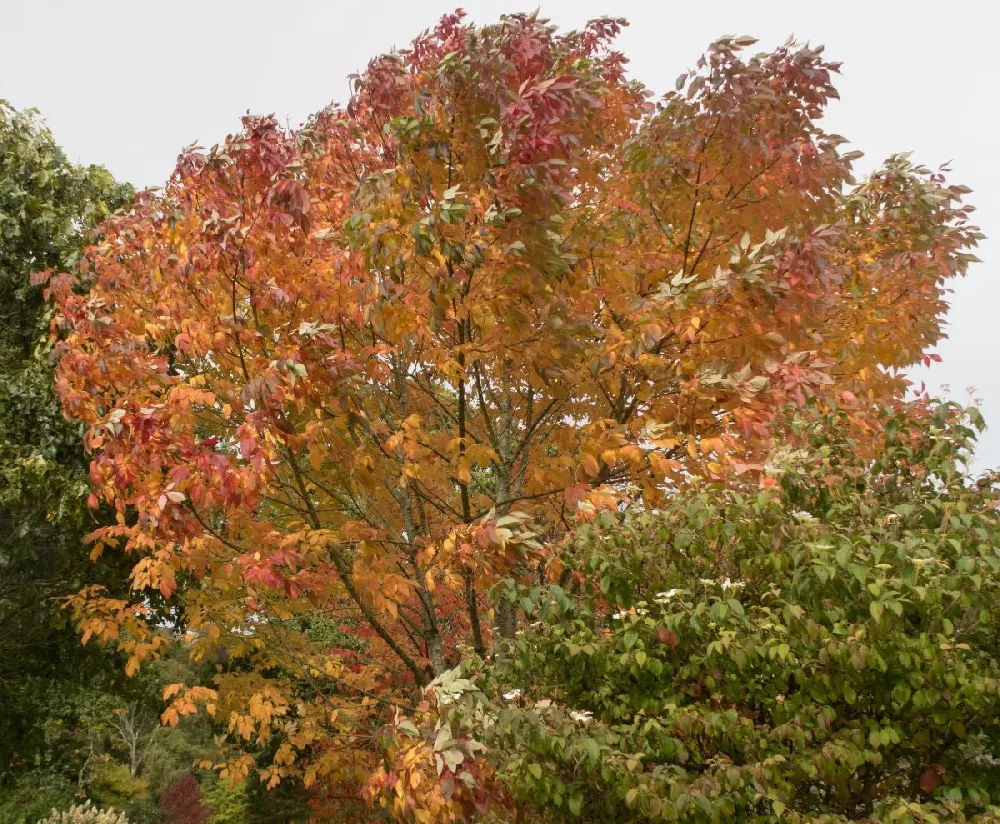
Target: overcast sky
(127, 84)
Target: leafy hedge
(825, 649)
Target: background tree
(47, 205)
(360, 373)
(182, 803)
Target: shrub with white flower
(85, 813)
(810, 658)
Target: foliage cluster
(502, 444)
(825, 649)
(365, 371)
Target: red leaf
(930, 778)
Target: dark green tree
(48, 205)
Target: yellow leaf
(464, 471)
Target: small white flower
(513, 695)
(583, 716)
(641, 611)
(618, 616)
(666, 596)
(727, 584)
(706, 581)
(803, 517)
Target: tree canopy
(349, 388)
(46, 205)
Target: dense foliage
(72, 724)
(340, 382)
(47, 205)
(502, 445)
(824, 649)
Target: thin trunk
(471, 598)
(505, 617)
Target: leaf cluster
(823, 650)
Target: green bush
(228, 802)
(113, 784)
(33, 795)
(825, 649)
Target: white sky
(127, 84)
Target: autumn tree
(340, 381)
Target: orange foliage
(362, 371)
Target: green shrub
(825, 649)
(228, 802)
(33, 794)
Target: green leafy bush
(228, 802)
(32, 794)
(113, 784)
(825, 649)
